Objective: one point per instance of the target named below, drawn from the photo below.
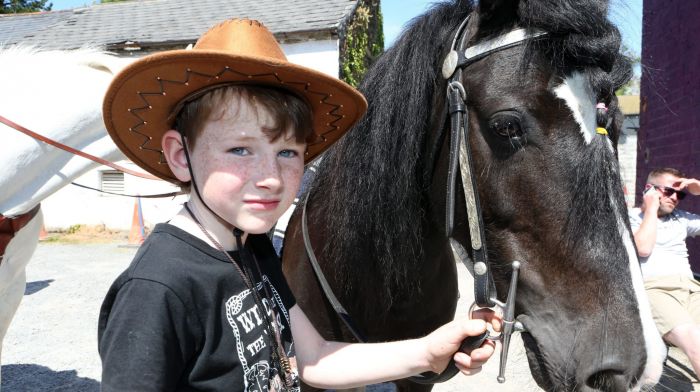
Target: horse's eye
(506, 125)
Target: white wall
(73, 205)
(627, 153)
(322, 56)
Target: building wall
(669, 132)
(322, 56)
(73, 205)
(627, 153)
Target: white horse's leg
(13, 279)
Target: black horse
(549, 187)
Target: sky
(68, 4)
(626, 14)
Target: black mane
(580, 38)
(374, 204)
(583, 39)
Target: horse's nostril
(608, 380)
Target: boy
(204, 305)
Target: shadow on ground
(33, 287)
(30, 377)
(677, 377)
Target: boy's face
(244, 177)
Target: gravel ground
(52, 342)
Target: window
(112, 181)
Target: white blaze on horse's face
(655, 347)
(576, 92)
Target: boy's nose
(270, 175)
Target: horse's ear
(108, 63)
(497, 14)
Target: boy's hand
(444, 343)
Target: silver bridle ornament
(485, 296)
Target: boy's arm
(340, 365)
(645, 235)
(138, 340)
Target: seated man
(660, 231)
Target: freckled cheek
(223, 186)
(225, 177)
(293, 177)
(242, 173)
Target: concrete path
(52, 343)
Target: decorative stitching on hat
(332, 112)
(189, 74)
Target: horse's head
(549, 187)
(551, 192)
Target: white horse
(57, 94)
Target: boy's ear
(174, 152)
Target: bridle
(459, 154)
(459, 58)
(485, 295)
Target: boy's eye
(288, 153)
(239, 151)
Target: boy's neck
(216, 229)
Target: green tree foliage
(632, 86)
(22, 6)
(363, 42)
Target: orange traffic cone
(42, 233)
(138, 233)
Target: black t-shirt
(180, 318)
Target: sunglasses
(668, 191)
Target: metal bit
(509, 323)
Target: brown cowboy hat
(140, 103)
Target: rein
(9, 226)
(459, 57)
(154, 196)
(72, 150)
(93, 158)
(459, 154)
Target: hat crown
(241, 37)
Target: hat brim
(139, 103)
